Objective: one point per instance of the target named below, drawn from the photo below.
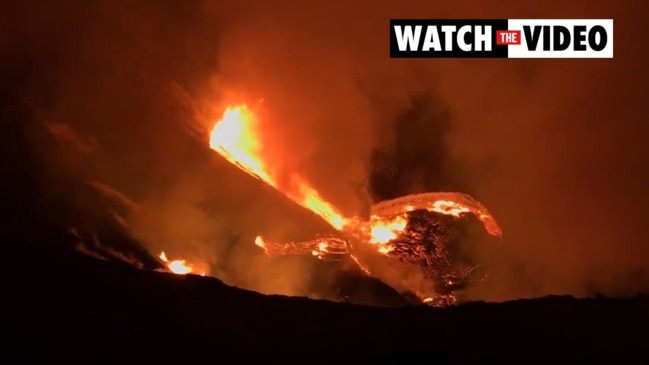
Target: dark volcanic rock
(65, 306)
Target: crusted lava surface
(437, 243)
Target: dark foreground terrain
(60, 305)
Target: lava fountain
(407, 242)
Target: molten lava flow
(237, 137)
(455, 204)
(449, 207)
(177, 266)
(380, 231)
(383, 231)
(395, 229)
(390, 218)
(325, 247)
(422, 234)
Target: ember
(415, 230)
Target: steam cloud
(122, 94)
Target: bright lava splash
(178, 266)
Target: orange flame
(237, 137)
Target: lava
(179, 266)
(448, 203)
(238, 138)
(396, 228)
(323, 247)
